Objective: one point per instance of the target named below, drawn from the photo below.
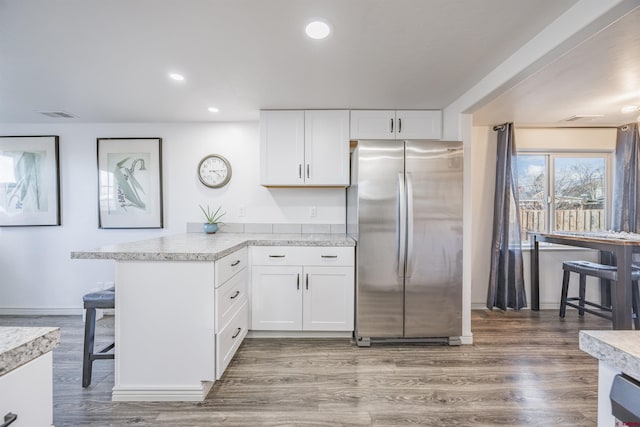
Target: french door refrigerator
(404, 208)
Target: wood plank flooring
(524, 368)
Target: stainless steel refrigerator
(404, 208)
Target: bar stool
(602, 271)
(92, 301)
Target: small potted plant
(213, 219)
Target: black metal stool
(92, 301)
(602, 271)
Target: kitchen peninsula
(184, 303)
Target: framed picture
(29, 181)
(130, 182)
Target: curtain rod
(498, 127)
(624, 128)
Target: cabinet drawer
(229, 297)
(230, 338)
(329, 256)
(302, 255)
(229, 265)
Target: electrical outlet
(313, 212)
(242, 212)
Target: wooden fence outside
(566, 220)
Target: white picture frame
(29, 181)
(130, 182)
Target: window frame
(549, 191)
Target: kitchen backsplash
(196, 227)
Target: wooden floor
(524, 368)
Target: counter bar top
(20, 345)
(619, 349)
(205, 247)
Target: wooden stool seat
(602, 271)
(103, 300)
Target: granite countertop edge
(200, 247)
(21, 345)
(619, 349)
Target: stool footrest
(588, 310)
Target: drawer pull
(307, 281)
(329, 256)
(276, 256)
(235, 295)
(233, 264)
(237, 333)
(298, 282)
(9, 419)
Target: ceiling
(597, 77)
(108, 61)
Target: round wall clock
(214, 171)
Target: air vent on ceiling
(583, 117)
(57, 114)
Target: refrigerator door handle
(409, 225)
(401, 219)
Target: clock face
(214, 171)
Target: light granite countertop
(205, 247)
(619, 349)
(20, 345)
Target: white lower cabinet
(315, 296)
(276, 299)
(328, 304)
(27, 392)
(230, 337)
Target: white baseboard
(162, 394)
(466, 339)
(41, 311)
(300, 334)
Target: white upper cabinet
(304, 148)
(326, 147)
(396, 124)
(281, 147)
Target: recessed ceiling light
(629, 109)
(177, 77)
(317, 29)
(213, 109)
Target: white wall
(36, 272)
(483, 157)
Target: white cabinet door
(281, 148)
(400, 124)
(328, 299)
(326, 147)
(418, 124)
(276, 298)
(373, 124)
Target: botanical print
(129, 183)
(24, 190)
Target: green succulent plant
(212, 217)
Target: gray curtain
(626, 188)
(506, 279)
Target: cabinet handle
(237, 333)
(391, 130)
(328, 256)
(308, 170)
(307, 281)
(399, 125)
(300, 170)
(235, 295)
(9, 419)
(276, 256)
(298, 282)
(233, 264)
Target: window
(563, 192)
